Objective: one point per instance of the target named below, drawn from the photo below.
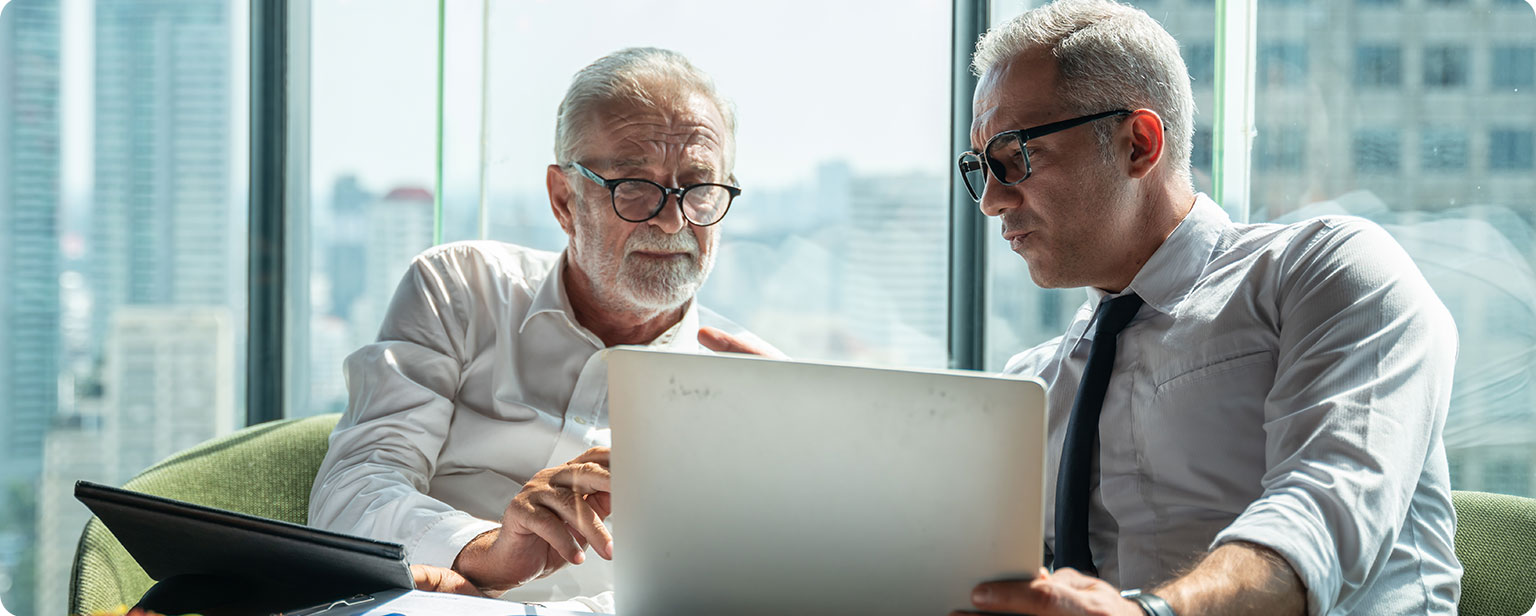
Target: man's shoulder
(1033, 362)
(1339, 240)
(492, 258)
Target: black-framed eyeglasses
(639, 200)
(1008, 159)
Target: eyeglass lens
(637, 201)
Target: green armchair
(264, 470)
(1496, 542)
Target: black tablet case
(214, 561)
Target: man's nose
(998, 198)
(670, 220)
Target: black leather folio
(217, 562)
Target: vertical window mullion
(1234, 124)
(967, 239)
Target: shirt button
(581, 421)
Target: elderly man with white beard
(476, 432)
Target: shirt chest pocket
(1202, 432)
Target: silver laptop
(752, 486)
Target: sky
(811, 80)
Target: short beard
(637, 284)
(662, 285)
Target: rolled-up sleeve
(374, 480)
(1362, 387)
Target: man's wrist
(467, 562)
(1151, 605)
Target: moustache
(651, 239)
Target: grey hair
(641, 75)
(1109, 56)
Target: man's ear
(1146, 135)
(561, 197)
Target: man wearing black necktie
(1244, 419)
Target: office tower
(342, 240)
(29, 268)
(399, 226)
(29, 215)
(162, 223)
(169, 377)
(896, 266)
(75, 451)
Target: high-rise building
(29, 235)
(162, 224)
(399, 226)
(169, 378)
(75, 451)
(30, 69)
(897, 267)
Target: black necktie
(1083, 434)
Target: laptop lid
(744, 485)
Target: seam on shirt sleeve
(1297, 536)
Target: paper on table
(421, 603)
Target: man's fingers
(438, 579)
(602, 503)
(1011, 596)
(599, 455)
(582, 478)
(546, 525)
(1077, 580)
(717, 340)
(578, 516)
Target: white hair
(1109, 56)
(645, 76)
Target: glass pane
(1423, 122)
(1021, 315)
(838, 245)
(122, 257)
(373, 115)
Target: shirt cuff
(1298, 539)
(439, 545)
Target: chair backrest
(1496, 543)
(264, 470)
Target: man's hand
(438, 579)
(558, 513)
(718, 341)
(1065, 592)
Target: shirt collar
(1168, 277)
(551, 297)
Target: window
(1512, 150)
(1426, 167)
(1379, 65)
(1200, 58)
(1376, 150)
(1514, 67)
(1444, 150)
(124, 246)
(1445, 66)
(1280, 149)
(1282, 65)
(1511, 475)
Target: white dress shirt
(481, 377)
(1285, 385)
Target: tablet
(200, 555)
